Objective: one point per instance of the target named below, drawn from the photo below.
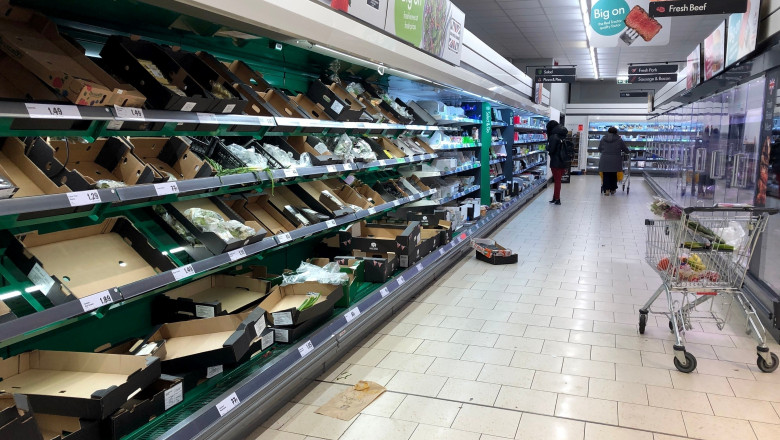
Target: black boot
(557, 202)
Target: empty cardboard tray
(215, 295)
(283, 302)
(86, 385)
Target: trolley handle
(769, 211)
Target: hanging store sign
(556, 75)
(433, 26)
(677, 8)
(626, 23)
(653, 69)
(661, 78)
(634, 94)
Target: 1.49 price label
(52, 111)
(183, 272)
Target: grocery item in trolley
(491, 252)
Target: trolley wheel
(642, 324)
(690, 363)
(628, 191)
(768, 368)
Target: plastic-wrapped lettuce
(175, 224)
(342, 147)
(363, 151)
(356, 89)
(307, 272)
(391, 102)
(286, 159)
(249, 157)
(210, 221)
(107, 184)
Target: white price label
(331, 169)
(396, 203)
(352, 314)
(173, 395)
(228, 404)
(206, 118)
(202, 311)
(267, 340)
(188, 107)
(419, 268)
(183, 272)
(337, 107)
(129, 113)
(372, 211)
(260, 326)
(331, 223)
(348, 167)
(382, 163)
(401, 281)
(306, 348)
(53, 111)
(384, 292)
(213, 371)
(82, 198)
(284, 238)
(282, 318)
(441, 252)
(95, 301)
(237, 254)
(114, 125)
(43, 281)
(281, 335)
(292, 172)
(167, 188)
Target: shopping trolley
(697, 265)
(627, 173)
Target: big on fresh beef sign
(434, 26)
(626, 23)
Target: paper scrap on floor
(348, 404)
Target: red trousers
(557, 177)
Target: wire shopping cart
(627, 174)
(697, 266)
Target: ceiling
(534, 29)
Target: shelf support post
(486, 138)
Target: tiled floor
(547, 349)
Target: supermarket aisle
(546, 349)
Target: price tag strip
(284, 238)
(53, 111)
(228, 404)
(238, 254)
(183, 272)
(352, 314)
(83, 198)
(129, 113)
(96, 301)
(167, 188)
(305, 349)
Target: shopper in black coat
(612, 148)
(559, 161)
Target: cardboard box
(170, 157)
(428, 217)
(320, 155)
(213, 242)
(81, 166)
(202, 343)
(23, 173)
(226, 99)
(19, 84)
(35, 43)
(374, 238)
(86, 385)
(258, 208)
(430, 240)
(321, 197)
(421, 116)
(168, 88)
(281, 304)
(377, 267)
(291, 207)
(256, 105)
(260, 344)
(288, 335)
(6, 314)
(356, 272)
(336, 101)
(14, 423)
(314, 110)
(212, 296)
(91, 259)
(53, 427)
(369, 194)
(351, 196)
(491, 252)
(151, 402)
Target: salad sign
(677, 8)
(434, 26)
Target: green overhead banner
(433, 26)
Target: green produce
(311, 299)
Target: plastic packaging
(391, 102)
(210, 221)
(666, 209)
(106, 184)
(176, 225)
(251, 158)
(356, 89)
(307, 272)
(363, 151)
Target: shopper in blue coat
(612, 148)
